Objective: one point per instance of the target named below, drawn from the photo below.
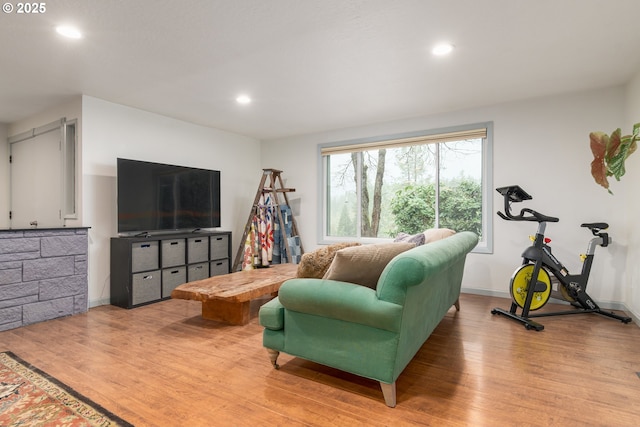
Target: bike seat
(595, 225)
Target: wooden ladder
(270, 183)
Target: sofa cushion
(364, 264)
(315, 264)
(428, 236)
(433, 234)
(417, 239)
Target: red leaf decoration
(599, 142)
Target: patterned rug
(30, 397)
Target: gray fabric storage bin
(197, 271)
(173, 252)
(144, 256)
(172, 278)
(219, 267)
(197, 249)
(145, 287)
(219, 247)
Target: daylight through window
(376, 189)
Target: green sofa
(373, 333)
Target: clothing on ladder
(264, 242)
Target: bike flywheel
(520, 282)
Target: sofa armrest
(341, 301)
(271, 315)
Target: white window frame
(437, 135)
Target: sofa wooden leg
(457, 304)
(273, 356)
(389, 393)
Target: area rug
(30, 397)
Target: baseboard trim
(99, 302)
(486, 293)
(607, 305)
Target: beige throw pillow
(433, 234)
(364, 264)
(315, 264)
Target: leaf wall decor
(610, 154)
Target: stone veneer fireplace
(43, 275)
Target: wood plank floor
(163, 365)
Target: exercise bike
(531, 285)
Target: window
(69, 169)
(374, 189)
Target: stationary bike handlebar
(514, 193)
(533, 216)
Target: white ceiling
(312, 65)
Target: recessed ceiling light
(243, 99)
(442, 49)
(68, 31)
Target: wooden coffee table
(227, 298)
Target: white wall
(540, 144)
(632, 177)
(4, 176)
(111, 131)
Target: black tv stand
(145, 268)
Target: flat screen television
(155, 197)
